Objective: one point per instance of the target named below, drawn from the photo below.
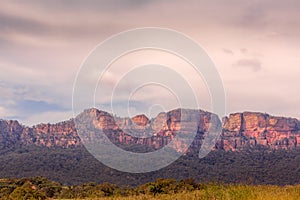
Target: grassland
(42, 189)
(224, 192)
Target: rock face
(239, 130)
(154, 133)
(249, 129)
(62, 134)
(10, 133)
(140, 120)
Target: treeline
(41, 189)
(77, 166)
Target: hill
(252, 148)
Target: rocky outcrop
(10, 133)
(250, 129)
(154, 133)
(239, 130)
(140, 120)
(62, 134)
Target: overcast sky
(254, 44)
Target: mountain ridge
(239, 130)
(55, 151)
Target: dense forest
(76, 166)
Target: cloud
(91, 5)
(10, 23)
(43, 43)
(63, 20)
(47, 117)
(21, 102)
(33, 107)
(244, 50)
(253, 64)
(2, 112)
(227, 51)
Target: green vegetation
(41, 189)
(76, 166)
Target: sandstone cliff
(61, 134)
(249, 129)
(239, 130)
(154, 133)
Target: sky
(254, 45)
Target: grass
(224, 192)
